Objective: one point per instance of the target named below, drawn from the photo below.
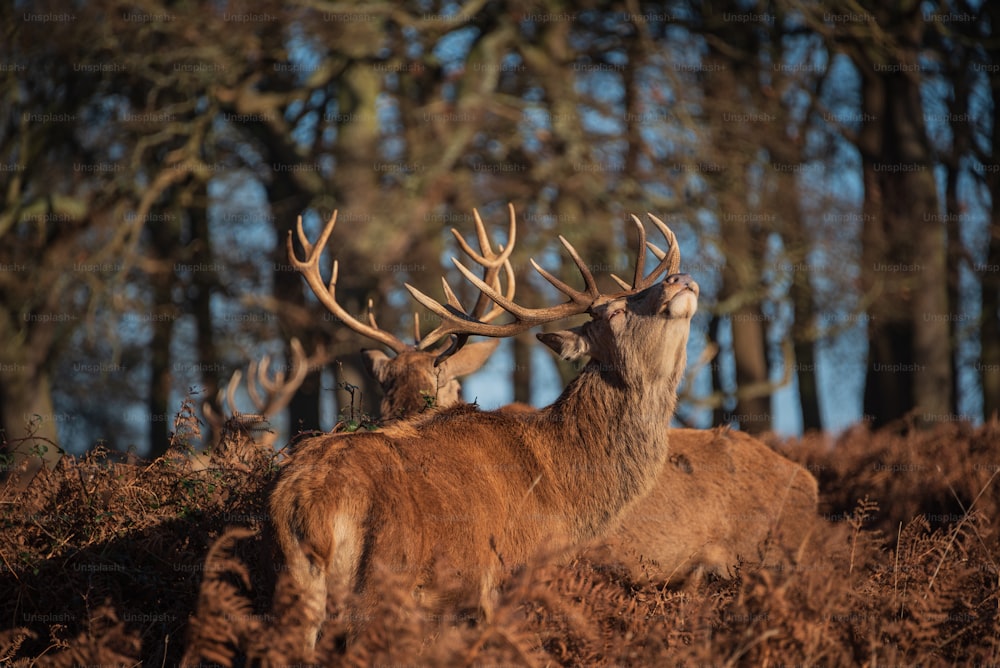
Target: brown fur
(723, 496)
(480, 492)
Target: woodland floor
(156, 563)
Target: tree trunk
(797, 243)
(953, 243)
(749, 346)
(961, 131)
(720, 415)
(989, 333)
(29, 421)
(160, 378)
(805, 353)
(989, 329)
(201, 302)
(739, 276)
(160, 373)
(27, 414)
(903, 253)
(522, 372)
(887, 396)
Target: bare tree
(903, 240)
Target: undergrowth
(165, 562)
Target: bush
(106, 562)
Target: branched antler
(456, 321)
(327, 293)
(269, 394)
(491, 261)
(670, 261)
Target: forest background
(829, 168)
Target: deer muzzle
(680, 296)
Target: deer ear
(469, 358)
(569, 344)
(375, 363)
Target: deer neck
(612, 432)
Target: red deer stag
(420, 381)
(481, 492)
(722, 497)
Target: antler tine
(280, 389)
(257, 373)
(578, 297)
(491, 275)
(640, 257)
(371, 315)
(491, 262)
(487, 257)
(212, 418)
(327, 294)
(447, 327)
(670, 261)
(496, 311)
(234, 383)
(640, 260)
(226, 399)
(621, 284)
(455, 321)
(673, 258)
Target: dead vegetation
(160, 564)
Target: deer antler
(491, 261)
(278, 390)
(327, 294)
(455, 321)
(670, 261)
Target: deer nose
(680, 279)
(683, 281)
